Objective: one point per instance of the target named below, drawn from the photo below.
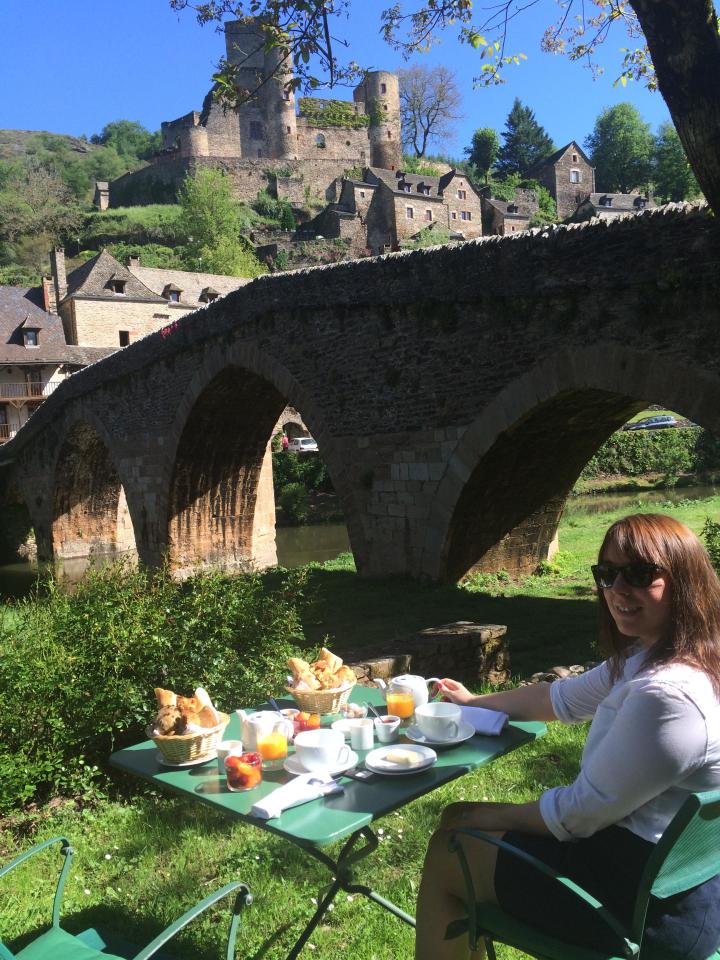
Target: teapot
(260, 723)
(417, 685)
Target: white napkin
(308, 786)
(488, 722)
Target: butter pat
(408, 758)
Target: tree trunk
(683, 39)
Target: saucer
(184, 763)
(293, 765)
(465, 731)
(377, 762)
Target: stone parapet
(473, 653)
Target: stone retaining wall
(473, 653)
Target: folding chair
(687, 854)
(57, 944)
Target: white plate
(376, 761)
(465, 731)
(185, 763)
(293, 765)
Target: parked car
(653, 423)
(303, 445)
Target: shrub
(78, 670)
(654, 451)
(294, 502)
(711, 535)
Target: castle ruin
(308, 143)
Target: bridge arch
(89, 512)
(218, 471)
(503, 491)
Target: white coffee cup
(321, 749)
(387, 728)
(225, 748)
(439, 721)
(362, 735)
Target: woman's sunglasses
(635, 574)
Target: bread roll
(165, 698)
(207, 717)
(298, 666)
(188, 706)
(345, 675)
(331, 660)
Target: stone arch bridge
(456, 393)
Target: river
(318, 542)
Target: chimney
(57, 265)
(133, 261)
(49, 298)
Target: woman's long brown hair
(693, 632)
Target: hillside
(16, 144)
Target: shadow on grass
(355, 612)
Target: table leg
(342, 871)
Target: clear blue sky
(71, 66)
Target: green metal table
(328, 819)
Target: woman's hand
(497, 817)
(455, 692)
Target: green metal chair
(687, 854)
(57, 944)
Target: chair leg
(490, 949)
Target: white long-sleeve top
(654, 738)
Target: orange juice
(273, 748)
(400, 703)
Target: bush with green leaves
(294, 502)
(309, 470)
(77, 669)
(632, 453)
(711, 535)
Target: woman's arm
(531, 702)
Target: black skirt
(609, 866)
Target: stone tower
(268, 126)
(380, 93)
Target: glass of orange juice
(400, 703)
(273, 748)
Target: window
(409, 213)
(462, 195)
(428, 214)
(118, 286)
(172, 293)
(383, 88)
(287, 129)
(256, 130)
(362, 194)
(574, 176)
(385, 107)
(389, 135)
(574, 159)
(286, 96)
(124, 336)
(320, 141)
(30, 338)
(465, 215)
(453, 215)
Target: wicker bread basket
(190, 746)
(321, 701)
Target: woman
(654, 738)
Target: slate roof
(93, 279)
(621, 202)
(23, 309)
(523, 212)
(157, 279)
(554, 157)
(396, 179)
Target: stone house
(105, 304)
(610, 206)
(34, 356)
(309, 144)
(385, 208)
(505, 217)
(568, 175)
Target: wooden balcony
(24, 390)
(7, 431)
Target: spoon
(372, 709)
(275, 705)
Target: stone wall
(473, 653)
(98, 323)
(352, 146)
